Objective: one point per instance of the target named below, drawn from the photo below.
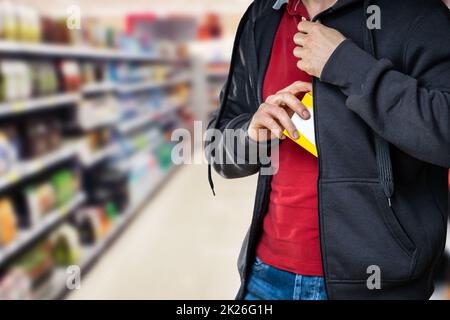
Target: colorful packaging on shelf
(9, 148)
(8, 222)
(36, 137)
(88, 225)
(45, 79)
(15, 285)
(15, 80)
(65, 183)
(9, 21)
(37, 264)
(40, 199)
(70, 76)
(66, 246)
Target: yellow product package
(305, 128)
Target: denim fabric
(269, 283)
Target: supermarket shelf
(130, 162)
(99, 124)
(149, 85)
(139, 121)
(18, 107)
(37, 49)
(98, 87)
(91, 159)
(47, 223)
(29, 168)
(91, 254)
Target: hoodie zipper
(316, 132)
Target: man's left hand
(315, 45)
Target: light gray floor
(183, 245)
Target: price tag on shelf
(37, 165)
(12, 177)
(64, 210)
(18, 106)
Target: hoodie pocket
(360, 230)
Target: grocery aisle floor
(183, 245)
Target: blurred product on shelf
(40, 135)
(15, 80)
(99, 139)
(210, 28)
(93, 224)
(37, 264)
(87, 222)
(107, 188)
(94, 72)
(67, 184)
(19, 22)
(8, 222)
(10, 148)
(15, 285)
(45, 78)
(66, 245)
(70, 75)
(41, 198)
(98, 111)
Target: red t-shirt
(290, 237)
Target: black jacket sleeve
(411, 110)
(228, 148)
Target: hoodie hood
(263, 7)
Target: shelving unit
(91, 254)
(91, 158)
(129, 125)
(64, 51)
(27, 169)
(78, 150)
(51, 220)
(149, 85)
(98, 87)
(35, 104)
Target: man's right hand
(274, 115)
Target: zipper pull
(389, 202)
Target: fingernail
(305, 114)
(295, 135)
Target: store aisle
(183, 245)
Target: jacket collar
(278, 4)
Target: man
(367, 218)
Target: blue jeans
(269, 283)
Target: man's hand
(315, 45)
(274, 115)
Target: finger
(297, 87)
(298, 52)
(306, 26)
(291, 101)
(283, 118)
(268, 122)
(300, 38)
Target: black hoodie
(382, 117)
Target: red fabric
(290, 237)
